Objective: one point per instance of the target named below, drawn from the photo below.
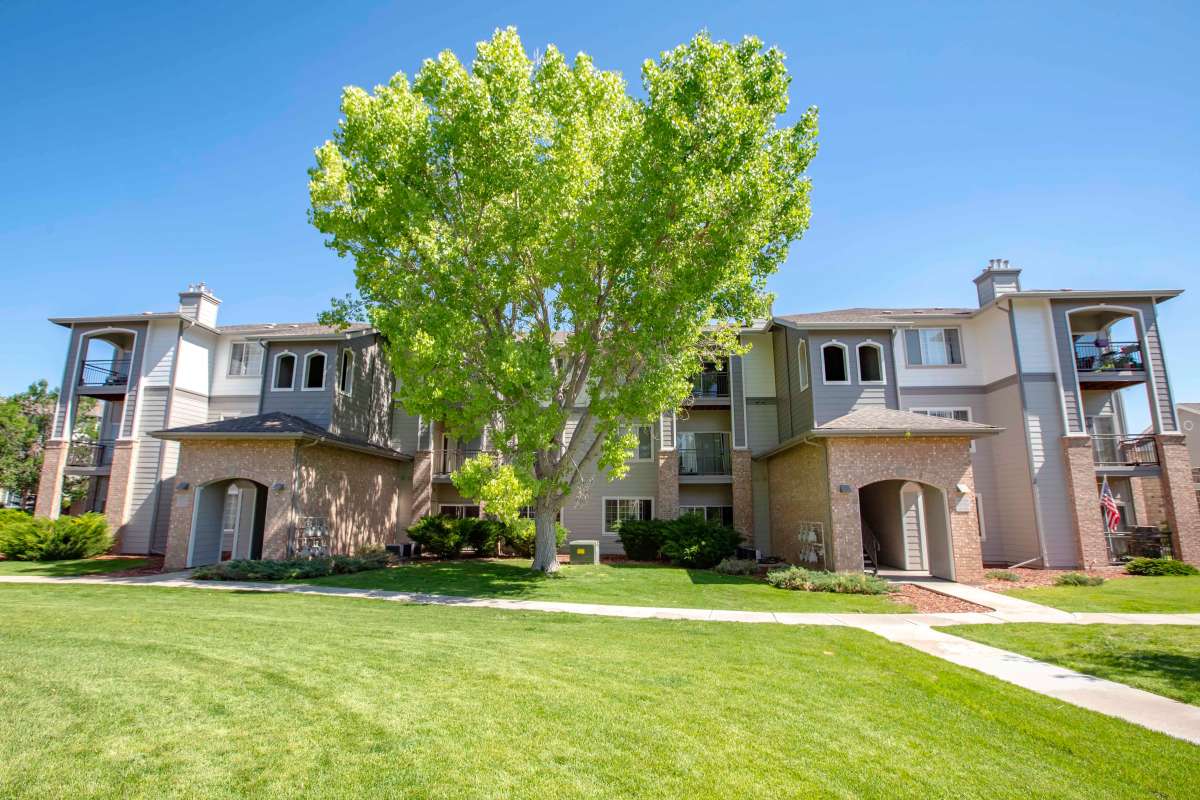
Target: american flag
(1112, 515)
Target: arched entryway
(906, 527)
(227, 521)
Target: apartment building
(922, 439)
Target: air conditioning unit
(584, 551)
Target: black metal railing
(705, 462)
(1109, 357)
(110, 372)
(447, 461)
(89, 454)
(1124, 451)
(711, 384)
(1140, 542)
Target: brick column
(50, 482)
(666, 501)
(422, 493)
(743, 496)
(1179, 496)
(120, 482)
(1083, 497)
(964, 530)
(845, 545)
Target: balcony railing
(705, 462)
(1124, 451)
(109, 372)
(711, 384)
(89, 454)
(1109, 357)
(447, 461)
(1140, 542)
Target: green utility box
(585, 551)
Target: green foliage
(1078, 579)
(643, 539)
(295, 569)
(737, 566)
(519, 539)
(27, 538)
(597, 235)
(481, 534)
(800, 579)
(1002, 575)
(1159, 566)
(693, 541)
(504, 489)
(440, 535)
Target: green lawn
(621, 584)
(70, 569)
(1166, 595)
(1164, 659)
(127, 692)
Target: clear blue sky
(147, 145)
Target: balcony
(1109, 365)
(105, 375)
(711, 386)
(1121, 453)
(447, 461)
(90, 455)
(705, 462)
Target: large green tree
(24, 426)
(540, 247)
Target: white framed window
(933, 347)
(619, 509)
(721, 514)
(802, 364)
(961, 414)
(644, 451)
(284, 379)
(314, 372)
(871, 363)
(245, 360)
(346, 372)
(458, 510)
(834, 368)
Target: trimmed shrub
(521, 538)
(801, 579)
(1078, 579)
(440, 535)
(693, 541)
(737, 566)
(1002, 575)
(481, 535)
(1159, 566)
(295, 569)
(26, 538)
(643, 538)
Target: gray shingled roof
(887, 421)
(289, 329)
(273, 425)
(860, 316)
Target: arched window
(802, 361)
(285, 373)
(833, 361)
(314, 371)
(346, 374)
(870, 363)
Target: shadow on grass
(78, 567)
(1180, 671)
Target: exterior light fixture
(182, 486)
(278, 486)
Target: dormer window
(285, 373)
(314, 372)
(833, 360)
(346, 372)
(870, 363)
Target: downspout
(1037, 504)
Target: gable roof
(869, 317)
(889, 422)
(274, 425)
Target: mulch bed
(153, 565)
(927, 601)
(1046, 577)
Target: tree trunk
(545, 553)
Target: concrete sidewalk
(912, 630)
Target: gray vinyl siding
(232, 406)
(1158, 364)
(1008, 499)
(761, 499)
(314, 406)
(136, 536)
(365, 412)
(583, 513)
(794, 410)
(762, 420)
(405, 434)
(186, 408)
(737, 397)
(830, 400)
(1043, 418)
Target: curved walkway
(913, 630)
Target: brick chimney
(997, 278)
(199, 304)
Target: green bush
(737, 566)
(1002, 575)
(693, 541)
(1078, 579)
(295, 569)
(801, 579)
(1159, 566)
(481, 535)
(440, 535)
(26, 538)
(521, 538)
(643, 538)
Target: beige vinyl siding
(405, 428)
(583, 514)
(136, 537)
(186, 408)
(762, 420)
(758, 366)
(228, 407)
(1043, 418)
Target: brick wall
(120, 486)
(1083, 498)
(50, 482)
(1179, 496)
(366, 499)
(799, 492)
(743, 496)
(666, 500)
